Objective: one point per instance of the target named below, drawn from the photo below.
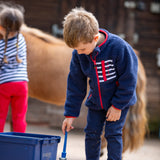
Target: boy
(111, 66)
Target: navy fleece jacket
(112, 72)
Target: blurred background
(137, 21)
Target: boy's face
(87, 48)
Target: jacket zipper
(98, 83)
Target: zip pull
(94, 64)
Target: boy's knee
(113, 131)
(113, 135)
(93, 134)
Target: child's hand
(67, 124)
(113, 114)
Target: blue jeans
(96, 120)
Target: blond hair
(79, 26)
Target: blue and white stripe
(13, 71)
(109, 68)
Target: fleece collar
(99, 48)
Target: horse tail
(136, 126)
(41, 35)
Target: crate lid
(28, 138)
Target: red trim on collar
(105, 39)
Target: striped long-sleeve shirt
(13, 71)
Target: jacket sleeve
(76, 88)
(126, 67)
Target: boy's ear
(96, 37)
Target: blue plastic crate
(28, 146)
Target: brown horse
(48, 66)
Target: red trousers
(16, 94)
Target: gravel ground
(75, 145)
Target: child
(111, 66)
(13, 67)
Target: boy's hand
(113, 114)
(67, 124)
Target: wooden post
(130, 26)
(121, 15)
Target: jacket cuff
(115, 107)
(70, 117)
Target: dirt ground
(75, 145)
